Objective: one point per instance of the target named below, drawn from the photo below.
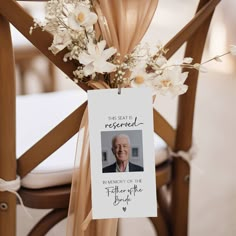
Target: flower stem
(214, 58)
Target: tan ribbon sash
(80, 213)
(122, 24)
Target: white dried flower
(171, 81)
(95, 60)
(79, 73)
(52, 26)
(140, 78)
(60, 41)
(81, 16)
(53, 9)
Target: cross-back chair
(174, 172)
(26, 57)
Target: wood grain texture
(46, 223)
(7, 128)
(181, 168)
(164, 129)
(53, 197)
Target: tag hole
(119, 90)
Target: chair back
(193, 34)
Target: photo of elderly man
(121, 149)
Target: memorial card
(122, 153)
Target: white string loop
(13, 186)
(188, 156)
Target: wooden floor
(213, 185)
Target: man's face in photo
(121, 149)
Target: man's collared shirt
(126, 169)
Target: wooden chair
(26, 55)
(172, 175)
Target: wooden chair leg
(162, 222)
(180, 197)
(7, 130)
(48, 221)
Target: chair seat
(38, 113)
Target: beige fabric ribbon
(122, 24)
(80, 213)
(126, 22)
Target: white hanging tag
(122, 153)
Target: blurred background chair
(31, 78)
(48, 185)
(25, 57)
